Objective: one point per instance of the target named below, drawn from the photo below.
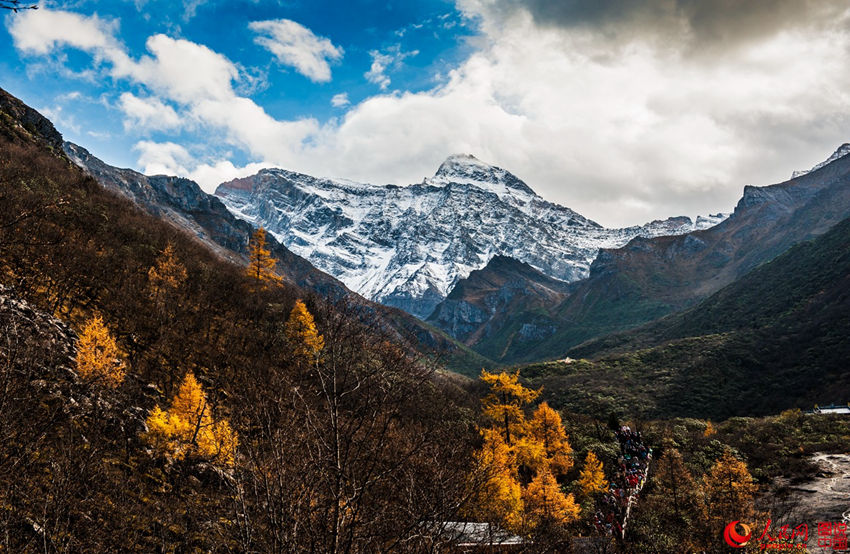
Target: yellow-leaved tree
(98, 358)
(302, 334)
(545, 501)
(504, 404)
(521, 459)
(546, 429)
(167, 274)
(592, 477)
(260, 262)
(188, 427)
(728, 492)
(499, 498)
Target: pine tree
(592, 477)
(189, 429)
(301, 332)
(504, 404)
(167, 273)
(546, 428)
(98, 358)
(260, 262)
(545, 501)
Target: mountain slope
(504, 298)
(777, 338)
(182, 203)
(804, 286)
(650, 278)
(79, 471)
(408, 246)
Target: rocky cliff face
(408, 246)
(29, 122)
(183, 203)
(506, 296)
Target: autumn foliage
(302, 334)
(98, 358)
(521, 459)
(167, 274)
(188, 428)
(261, 264)
(592, 479)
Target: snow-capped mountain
(842, 151)
(408, 246)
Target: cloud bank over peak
(624, 111)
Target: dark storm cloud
(713, 23)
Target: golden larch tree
(504, 404)
(674, 483)
(499, 498)
(728, 491)
(167, 273)
(188, 427)
(592, 477)
(302, 334)
(260, 262)
(709, 430)
(546, 429)
(544, 500)
(98, 358)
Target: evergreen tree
(98, 358)
(260, 262)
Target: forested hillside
(183, 404)
(777, 338)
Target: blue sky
(422, 38)
(624, 111)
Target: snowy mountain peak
(842, 151)
(408, 246)
(466, 169)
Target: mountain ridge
(407, 246)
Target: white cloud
(382, 61)
(163, 158)
(180, 71)
(148, 113)
(297, 46)
(42, 31)
(168, 158)
(340, 100)
(622, 133)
